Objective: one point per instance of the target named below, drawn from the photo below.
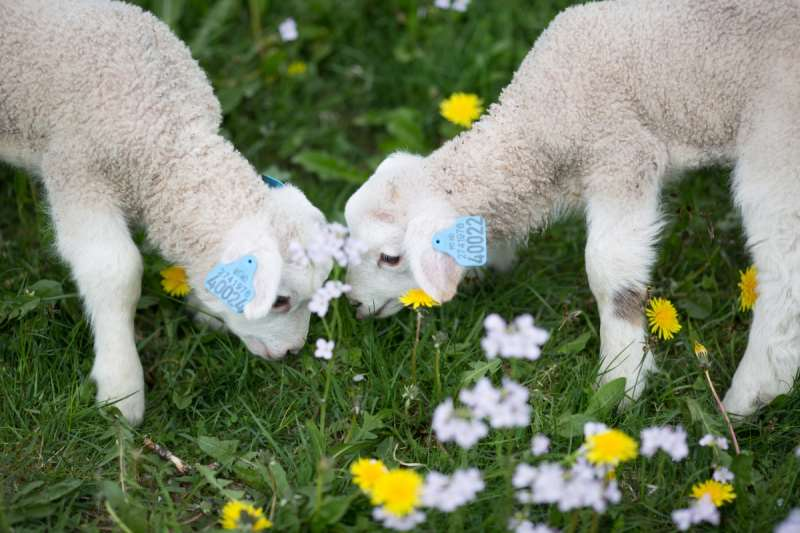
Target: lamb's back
(99, 72)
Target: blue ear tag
(465, 241)
(272, 183)
(233, 282)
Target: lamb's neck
(499, 170)
(194, 203)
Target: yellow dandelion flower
(663, 318)
(721, 493)
(416, 298)
(462, 109)
(174, 281)
(398, 491)
(296, 68)
(748, 285)
(610, 447)
(366, 473)
(244, 517)
(700, 350)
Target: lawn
(283, 435)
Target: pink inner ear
(440, 275)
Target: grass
(376, 73)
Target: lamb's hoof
(131, 406)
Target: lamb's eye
(281, 303)
(389, 260)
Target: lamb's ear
(265, 282)
(435, 272)
(246, 240)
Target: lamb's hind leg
(623, 221)
(93, 237)
(767, 188)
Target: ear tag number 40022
(233, 282)
(465, 241)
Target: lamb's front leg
(623, 223)
(93, 237)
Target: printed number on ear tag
(465, 241)
(233, 282)
(272, 183)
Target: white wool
(104, 104)
(613, 101)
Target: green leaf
(329, 167)
(46, 288)
(219, 483)
(123, 509)
(606, 398)
(574, 346)
(708, 422)
(333, 509)
(365, 430)
(571, 425)
(405, 126)
(50, 493)
(146, 301)
(478, 369)
(223, 451)
(212, 25)
(699, 307)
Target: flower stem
(573, 522)
(437, 377)
(414, 350)
(723, 411)
(595, 522)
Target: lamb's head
(396, 214)
(275, 320)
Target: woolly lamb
(108, 107)
(614, 99)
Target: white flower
(512, 410)
(519, 340)
(332, 242)
(711, 440)
(791, 524)
(682, 518)
(671, 440)
(702, 510)
(353, 249)
(482, 399)
(544, 483)
(723, 475)
(359, 377)
(797, 452)
(451, 426)
(503, 408)
(297, 254)
(455, 5)
(526, 526)
(398, 523)
(447, 493)
(540, 445)
(324, 349)
(321, 299)
(593, 428)
(288, 30)
(583, 485)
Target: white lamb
(108, 107)
(615, 99)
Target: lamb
(103, 103)
(614, 100)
